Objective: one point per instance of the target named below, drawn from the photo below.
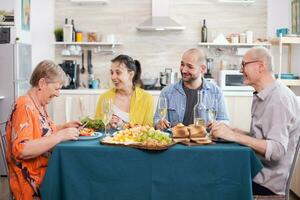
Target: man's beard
(191, 79)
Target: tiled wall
(157, 50)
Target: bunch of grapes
(155, 136)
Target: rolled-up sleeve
(276, 131)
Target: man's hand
(222, 130)
(163, 124)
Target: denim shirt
(176, 100)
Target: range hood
(160, 20)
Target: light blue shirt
(176, 100)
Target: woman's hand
(68, 134)
(72, 124)
(115, 122)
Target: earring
(39, 89)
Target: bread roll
(197, 131)
(180, 131)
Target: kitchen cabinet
(289, 41)
(74, 104)
(239, 110)
(73, 107)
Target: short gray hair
(48, 70)
(200, 53)
(262, 53)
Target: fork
(83, 125)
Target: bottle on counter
(199, 110)
(91, 79)
(204, 32)
(73, 31)
(68, 29)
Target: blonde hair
(48, 70)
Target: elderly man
(182, 96)
(275, 124)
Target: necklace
(34, 103)
(44, 117)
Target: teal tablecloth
(88, 170)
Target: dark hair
(131, 65)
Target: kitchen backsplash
(157, 50)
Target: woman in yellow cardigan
(130, 103)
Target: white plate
(97, 135)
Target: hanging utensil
(82, 70)
(89, 60)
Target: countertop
(152, 92)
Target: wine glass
(212, 115)
(107, 113)
(162, 107)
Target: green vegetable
(95, 124)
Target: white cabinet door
(239, 109)
(73, 107)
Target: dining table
(90, 170)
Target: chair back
(288, 183)
(296, 156)
(3, 145)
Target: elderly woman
(31, 134)
(130, 103)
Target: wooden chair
(3, 150)
(3, 145)
(288, 183)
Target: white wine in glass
(107, 112)
(163, 112)
(162, 107)
(212, 112)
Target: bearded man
(182, 96)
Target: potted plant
(58, 32)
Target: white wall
(24, 36)
(42, 26)
(157, 50)
(7, 5)
(278, 16)
(40, 35)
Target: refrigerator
(15, 71)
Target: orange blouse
(26, 123)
